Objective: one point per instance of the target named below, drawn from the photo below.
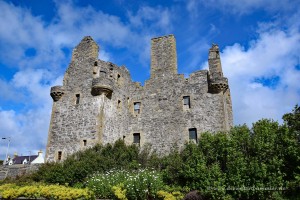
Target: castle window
(137, 107)
(102, 73)
(118, 79)
(84, 142)
(77, 98)
(136, 138)
(119, 105)
(193, 135)
(186, 101)
(59, 154)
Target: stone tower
(99, 103)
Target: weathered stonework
(99, 103)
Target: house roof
(20, 159)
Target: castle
(99, 103)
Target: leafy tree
(293, 120)
(290, 150)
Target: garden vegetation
(258, 163)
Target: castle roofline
(164, 36)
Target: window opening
(119, 104)
(77, 98)
(118, 78)
(193, 134)
(137, 107)
(136, 138)
(102, 73)
(186, 101)
(59, 154)
(84, 142)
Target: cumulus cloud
(264, 78)
(160, 16)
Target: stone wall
(13, 171)
(98, 102)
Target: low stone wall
(12, 171)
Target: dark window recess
(77, 98)
(118, 78)
(186, 101)
(119, 104)
(193, 134)
(84, 142)
(102, 73)
(136, 138)
(137, 107)
(59, 154)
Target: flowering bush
(119, 192)
(169, 195)
(139, 184)
(12, 191)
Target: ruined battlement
(99, 103)
(163, 56)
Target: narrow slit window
(187, 101)
(119, 79)
(137, 107)
(59, 154)
(193, 135)
(136, 138)
(84, 142)
(77, 98)
(119, 104)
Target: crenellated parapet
(56, 92)
(101, 85)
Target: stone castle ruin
(99, 103)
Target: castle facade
(99, 103)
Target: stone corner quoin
(99, 103)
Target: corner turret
(217, 83)
(56, 92)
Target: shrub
(79, 165)
(12, 191)
(138, 184)
(176, 195)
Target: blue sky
(259, 42)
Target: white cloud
(160, 16)
(244, 6)
(273, 54)
(27, 130)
